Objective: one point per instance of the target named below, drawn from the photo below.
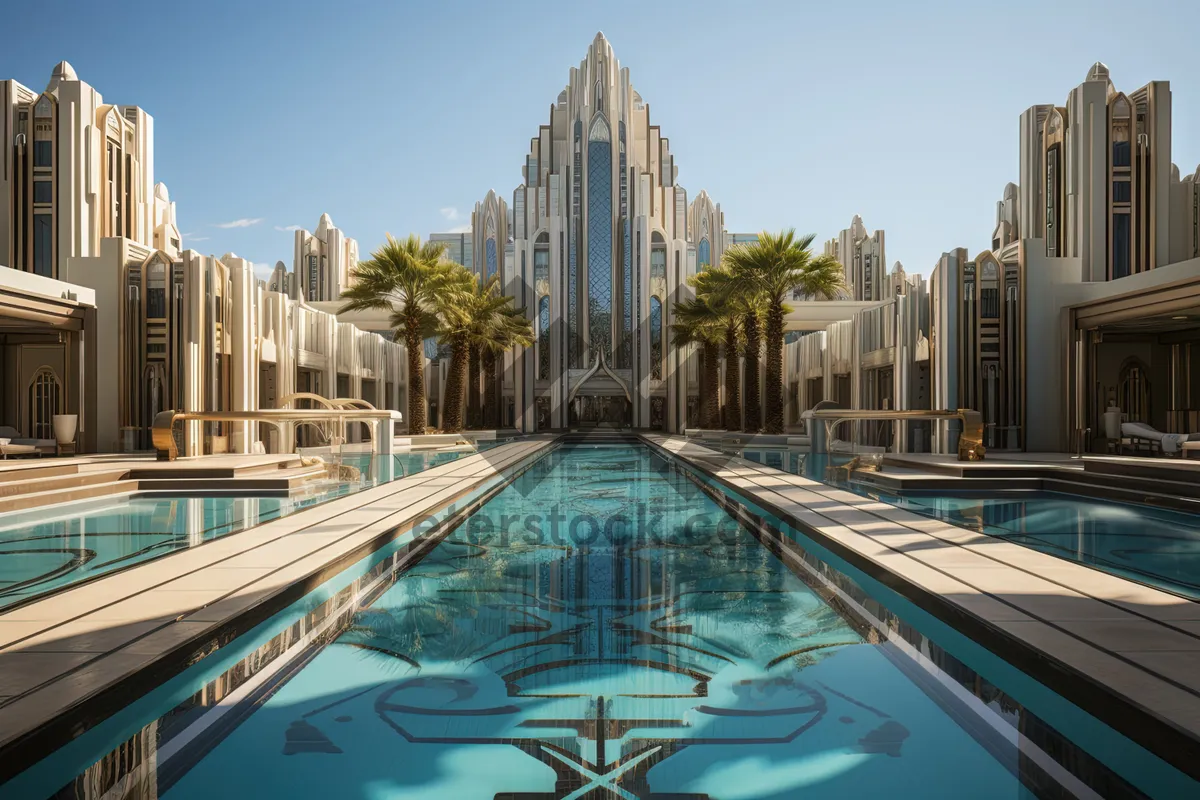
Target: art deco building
(459, 247)
(119, 321)
(323, 262)
(601, 242)
(75, 170)
(1096, 177)
(1088, 293)
(863, 257)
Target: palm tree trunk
(711, 393)
(456, 384)
(474, 411)
(733, 381)
(774, 376)
(415, 348)
(753, 399)
(491, 402)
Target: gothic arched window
(45, 400)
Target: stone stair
(34, 487)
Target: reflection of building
(323, 262)
(862, 255)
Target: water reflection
(600, 629)
(50, 548)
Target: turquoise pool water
(50, 548)
(1156, 546)
(601, 628)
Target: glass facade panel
(1121, 192)
(541, 265)
(43, 245)
(703, 255)
(43, 192)
(627, 300)
(600, 240)
(156, 303)
(1120, 245)
(43, 153)
(1120, 154)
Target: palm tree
(752, 339)
(406, 277)
(474, 412)
(697, 323)
(462, 300)
(715, 287)
(501, 330)
(773, 268)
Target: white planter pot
(64, 427)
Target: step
(197, 469)
(1160, 493)
(24, 502)
(63, 482)
(13, 469)
(260, 482)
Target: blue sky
(398, 116)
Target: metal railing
(970, 440)
(381, 423)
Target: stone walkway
(76, 656)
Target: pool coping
(1146, 693)
(86, 649)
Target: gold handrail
(163, 436)
(970, 441)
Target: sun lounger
(7, 450)
(1142, 435)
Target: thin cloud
(244, 222)
(450, 214)
(195, 238)
(288, 228)
(460, 229)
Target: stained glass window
(703, 255)
(490, 253)
(656, 336)
(600, 236)
(544, 338)
(573, 248)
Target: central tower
(600, 250)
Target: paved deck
(1127, 653)
(75, 657)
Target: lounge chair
(40, 446)
(1142, 435)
